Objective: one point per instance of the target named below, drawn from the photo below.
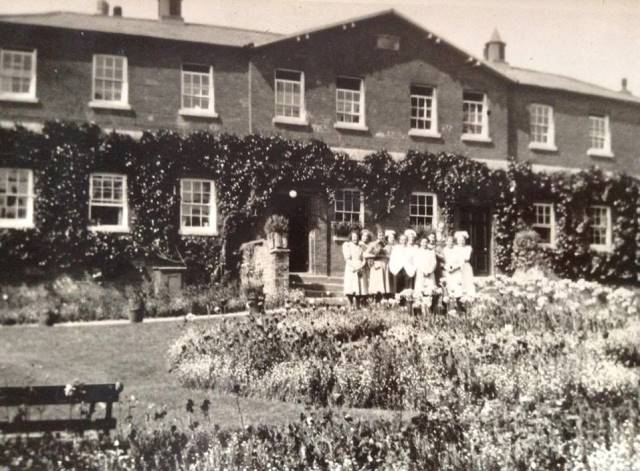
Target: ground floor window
(600, 237)
(16, 197)
(544, 222)
(197, 206)
(423, 210)
(108, 209)
(348, 206)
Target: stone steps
(317, 286)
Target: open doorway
(296, 209)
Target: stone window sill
(537, 146)
(475, 138)
(601, 248)
(192, 231)
(9, 97)
(600, 153)
(12, 224)
(351, 127)
(197, 113)
(424, 133)
(290, 120)
(121, 229)
(109, 105)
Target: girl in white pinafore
(410, 253)
(466, 271)
(425, 269)
(396, 263)
(452, 268)
(354, 281)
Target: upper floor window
(16, 198)
(108, 209)
(348, 206)
(197, 207)
(424, 111)
(423, 210)
(544, 222)
(475, 116)
(599, 136)
(542, 127)
(350, 103)
(197, 90)
(600, 237)
(289, 97)
(110, 82)
(17, 75)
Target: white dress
(458, 271)
(453, 271)
(425, 270)
(396, 259)
(355, 282)
(409, 263)
(378, 263)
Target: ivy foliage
(249, 171)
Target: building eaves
(142, 27)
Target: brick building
(364, 84)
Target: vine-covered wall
(248, 171)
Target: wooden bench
(22, 398)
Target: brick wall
(387, 76)
(64, 77)
(571, 113)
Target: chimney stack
(117, 11)
(102, 8)
(494, 50)
(170, 10)
(624, 87)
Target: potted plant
(136, 299)
(254, 293)
(277, 229)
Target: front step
(316, 286)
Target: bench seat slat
(54, 395)
(72, 425)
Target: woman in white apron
(354, 282)
(425, 286)
(396, 263)
(410, 254)
(466, 271)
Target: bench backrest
(59, 395)
(55, 395)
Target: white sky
(593, 40)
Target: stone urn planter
(136, 306)
(254, 293)
(277, 230)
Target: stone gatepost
(270, 266)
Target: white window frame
(27, 221)
(607, 246)
(210, 111)
(24, 97)
(434, 223)
(361, 124)
(301, 119)
(536, 111)
(551, 225)
(604, 151)
(123, 103)
(482, 136)
(212, 228)
(124, 205)
(424, 132)
(335, 204)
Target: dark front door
(477, 222)
(296, 210)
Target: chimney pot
(170, 10)
(117, 11)
(624, 86)
(102, 7)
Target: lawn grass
(135, 355)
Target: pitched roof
(163, 29)
(236, 37)
(516, 75)
(547, 80)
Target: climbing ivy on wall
(249, 170)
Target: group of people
(434, 272)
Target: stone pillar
(276, 273)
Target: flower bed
(529, 358)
